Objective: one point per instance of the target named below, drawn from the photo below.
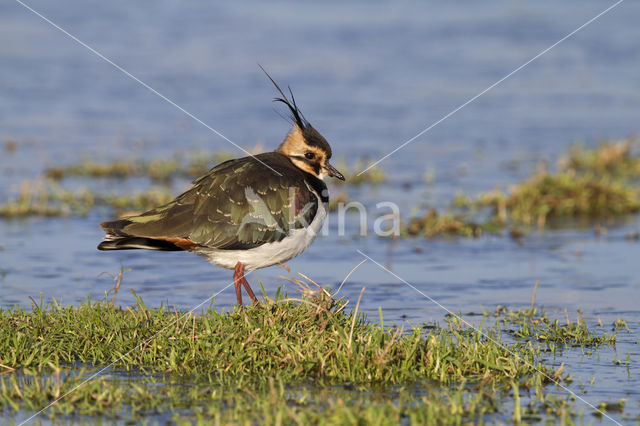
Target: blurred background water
(369, 76)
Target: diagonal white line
(137, 80)
(102, 370)
(434, 124)
(560, 385)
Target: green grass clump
(307, 360)
(120, 169)
(553, 332)
(613, 159)
(47, 198)
(433, 224)
(563, 195)
(534, 324)
(158, 170)
(573, 334)
(287, 339)
(44, 198)
(196, 164)
(590, 184)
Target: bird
(246, 213)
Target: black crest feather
(311, 135)
(295, 111)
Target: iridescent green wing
(238, 204)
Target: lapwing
(244, 214)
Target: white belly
(270, 253)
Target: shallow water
(369, 77)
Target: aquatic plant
(562, 195)
(434, 224)
(196, 164)
(610, 158)
(47, 198)
(590, 183)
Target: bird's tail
(117, 239)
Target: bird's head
(305, 146)
(309, 151)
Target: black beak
(333, 172)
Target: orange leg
(238, 277)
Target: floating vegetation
(613, 159)
(617, 406)
(196, 164)
(47, 198)
(600, 183)
(310, 360)
(433, 224)
(44, 198)
(620, 323)
(574, 334)
(562, 195)
(590, 183)
(160, 170)
(535, 325)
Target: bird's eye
(310, 155)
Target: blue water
(369, 76)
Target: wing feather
(238, 204)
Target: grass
(589, 183)
(433, 224)
(533, 325)
(196, 164)
(285, 360)
(161, 170)
(44, 198)
(47, 197)
(613, 159)
(592, 184)
(286, 340)
(563, 195)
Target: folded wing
(239, 204)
